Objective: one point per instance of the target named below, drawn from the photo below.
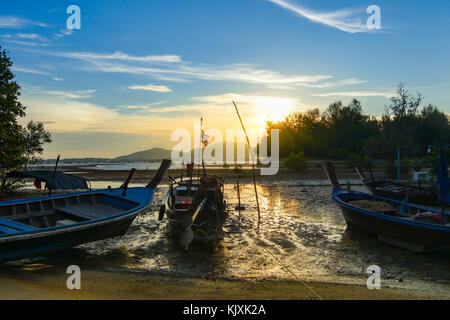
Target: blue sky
(137, 70)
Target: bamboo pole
(253, 164)
(53, 176)
(200, 152)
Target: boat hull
(40, 241)
(413, 237)
(47, 242)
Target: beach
(125, 286)
(302, 250)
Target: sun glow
(274, 109)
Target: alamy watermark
(374, 20)
(222, 151)
(74, 20)
(374, 280)
(74, 280)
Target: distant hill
(154, 154)
(75, 160)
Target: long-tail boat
(195, 208)
(37, 226)
(427, 195)
(400, 223)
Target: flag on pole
(205, 138)
(37, 184)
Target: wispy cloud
(33, 71)
(81, 94)
(356, 94)
(26, 39)
(90, 57)
(60, 109)
(31, 36)
(151, 87)
(77, 94)
(13, 22)
(62, 33)
(173, 68)
(345, 82)
(27, 43)
(348, 20)
(328, 84)
(142, 107)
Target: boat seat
(7, 230)
(89, 212)
(65, 222)
(8, 226)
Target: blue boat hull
(396, 230)
(400, 223)
(37, 226)
(408, 234)
(42, 241)
(42, 244)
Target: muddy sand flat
(300, 226)
(111, 285)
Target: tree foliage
(345, 132)
(297, 161)
(18, 145)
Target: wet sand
(301, 229)
(124, 286)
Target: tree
(345, 132)
(35, 136)
(348, 128)
(18, 145)
(434, 127)
(398, 127)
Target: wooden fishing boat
(427, 195)
(195, 208)
(37, 226)
(410, 226)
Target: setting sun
(274, 108)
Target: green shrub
(297, 161)
(405, 168)
(432, 161)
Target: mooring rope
(289, 270)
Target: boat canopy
(53, 180)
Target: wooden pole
(253, 164)
(200, 147)
(182, 167)
(239, 196)
(54, 174)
